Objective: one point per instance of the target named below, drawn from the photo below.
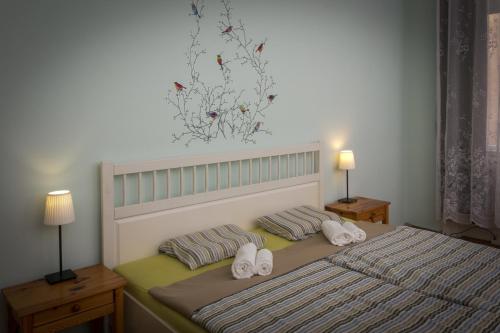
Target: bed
(384, 286)
(163, 270)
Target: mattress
(163, 270)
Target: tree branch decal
(209, 111)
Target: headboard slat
(169, 182)
(154, 185)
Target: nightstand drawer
(374, 215)
(73, 308)
(349, 215)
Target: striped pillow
(210, 246)
(296, 223)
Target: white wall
(85, 81)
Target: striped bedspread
(323, 297)
(430, 263)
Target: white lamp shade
(346, 160)
(59, 208)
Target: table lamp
(346, 162)
(58, 211)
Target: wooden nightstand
(37, 307)
(364, 209)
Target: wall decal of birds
(195, 10)
(228, 30)
(212, 114)
(243, 85)
(179, 86)
(243, 109)
(219, 61)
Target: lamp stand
(60, 276)
(347, 199)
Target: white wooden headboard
(145, 203)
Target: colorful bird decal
(195, 10)
(219, 61)
(212, 114)
(257, 126)
(179, 86)
(243, 109)
(271, 98)
(260, 48)
(228, 30)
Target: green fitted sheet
(162, 270)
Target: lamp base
(60, 276)
(347, 200)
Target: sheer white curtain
(468, 123)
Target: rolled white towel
(264, 262)
(243, 266)
(335, 233)
(358, 234)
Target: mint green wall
(83, 82)
(419, 116)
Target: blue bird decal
(195, 10)
(212, 114)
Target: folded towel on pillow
(264, 262)
(336, 233)
(358, 234)
(243, 266)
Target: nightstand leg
(97, 325)
(118, 314)
(11, 321)
(27, 324)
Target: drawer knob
(75, 308)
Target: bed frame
(145, 203)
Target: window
(493, 91)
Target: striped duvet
(323, 297)
(430, 263)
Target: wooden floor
(469, 239)
(480, 241)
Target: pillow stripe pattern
(209, 246)
(296, 223)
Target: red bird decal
(260, 48)
(219, 61)
(271, 98)
(228, 30)
(179, 86)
